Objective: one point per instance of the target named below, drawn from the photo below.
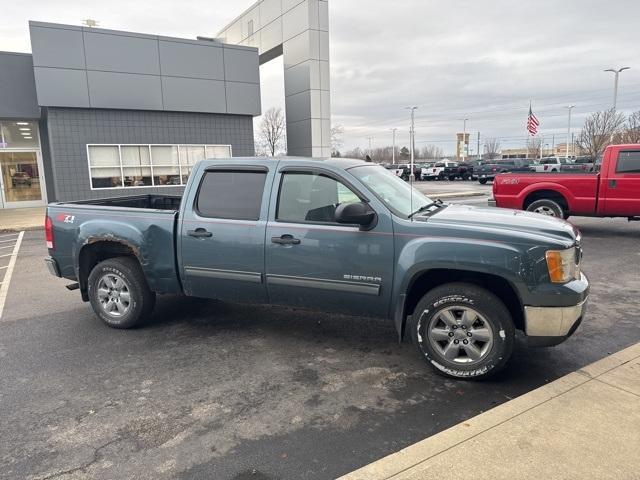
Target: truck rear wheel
(119, 293)
(463, 331)
(547, 207)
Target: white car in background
(437, 171)
(549, 164)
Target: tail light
(48, 232)
(494, 169)
(546, 167)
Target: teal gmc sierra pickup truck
(336, 235)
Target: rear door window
(231, 194)
(628, 162)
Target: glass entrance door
(20, 184)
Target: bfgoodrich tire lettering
(127, 274)
(479, 311)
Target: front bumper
(52, 266)
(548, 326)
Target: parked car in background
(614, 191)
(406, 169)
(466, 169)
(394, 168)
(441, 171)
(549, 164)
(332, 235)
(20, 178)
(585, 164)
(487, 171)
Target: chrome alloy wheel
(460, 334)
(544, 210)
(113, 294)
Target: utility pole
(573, 145)
(569, 108)
(478, 151)
(541, 146)
(393, 152)
(616, 72)
(370, 138)
(412, 140)
(553, 145)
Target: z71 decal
(65, 218)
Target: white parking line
(4, 287)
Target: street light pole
(393, 153)
(566, 153)
(616, 72)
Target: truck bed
(154, 202)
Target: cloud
(481, 60)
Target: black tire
(548, 207)
(491, 311)
(483, 181)
(141, 298)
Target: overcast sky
(482, 60)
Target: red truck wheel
(547, 207)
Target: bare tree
(431, 152)
(272, 130)
(598, 131)
(336, 137)
(491, 148)
(355, 153)
(533, 147)
(632, 129)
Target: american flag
(532, 122)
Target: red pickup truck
(612, 191)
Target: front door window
(20, 177)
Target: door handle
(285, 240)
(199, 233)
(612, 184)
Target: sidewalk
(16, 219)
(585, 425)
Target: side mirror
(359, 213)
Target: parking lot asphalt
(225, 391)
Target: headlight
(563, 265)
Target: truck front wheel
(119, 293)
(463, 331)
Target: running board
(73, 286)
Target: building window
(19, 134)
(122, 166)
(250, 27)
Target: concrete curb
(28, 228)
(457, 194)
(420, 453)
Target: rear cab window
(628, 162)
(231, 194)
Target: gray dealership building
(94, 112)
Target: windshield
(394, 192)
